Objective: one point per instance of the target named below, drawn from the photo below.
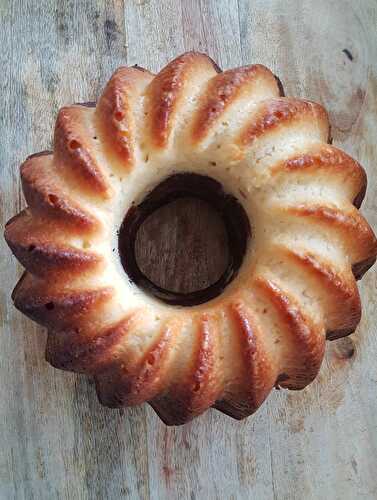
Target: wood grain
(57, 442)
(183, 246)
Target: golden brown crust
(80, 351)
(139, 379)
(338, 287)
(323, 158)
(275, 112)
(46, 259)
(115, 119)
(223, 90)
(40, 247)
(50, 306)
(360, 268)
(74, 151)
(46, 196)
(166, 91)
(259, 372)
(200, 388)
(354, 230)
(307, 338)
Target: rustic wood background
(56, 441)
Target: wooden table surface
(56, 440)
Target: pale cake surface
(296, 286)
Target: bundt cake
(289, 201)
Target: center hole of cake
(183, 246)
(185, 242)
